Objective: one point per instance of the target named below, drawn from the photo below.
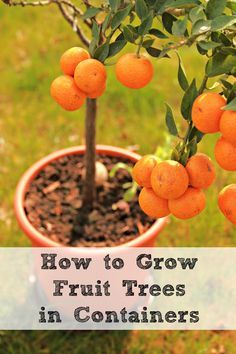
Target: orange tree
(104, 28)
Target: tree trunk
(89, 191)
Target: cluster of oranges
(86, 77)
(83, 77)
(169, 187)
(209, 117)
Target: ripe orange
(142, 170)
(66, 93)
(169, 179)
(225, 154)
(227, 202)
(201, 171)
(98, 93)
(71, 58)
(133, 71)
(228, 126)
(152, 205)
(90, 76)
(190, 204)
(206, 112)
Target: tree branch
(71, 21)
(59, 3)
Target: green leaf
(91, 12)
(145, 25)
(188, 99)
(168, 20)
(114, 4)
(120, 16)
(221, 22)
(223, 39)
(228, 50)
(231, 94)
(215, 8)
(95, 32)
(102, 52)
(183, 81)
(220, 64)
(157, 33)
(231, 106)
(92, 47)
(201, 26)
(128, 34)
(179, 27)
(116, 47)
(197, 13)
(181, 4)
(170, 122)
(208, 45)
(106, 22)
(150, 3)
(227, 84)
(195, 132)
(175, 155)
(192, 146)
(141, 9)
(147, 43)
(184, 158)
(155, 52)
(159, 8)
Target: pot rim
(34, 235)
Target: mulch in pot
(53, 205)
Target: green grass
(32, 125)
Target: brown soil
(54, 206)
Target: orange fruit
(133, 71)
(190, 204)
(98, 93)
(228, 126)
(152, 205)
(227, 202)
(142, 170)
(66, 93)
(169, 179)
(71, 58)
(225, 154)
(201, 171)
(207, 111)
(90, 76)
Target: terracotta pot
(147, 239)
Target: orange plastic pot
(147, 239)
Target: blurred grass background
(32, 125)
